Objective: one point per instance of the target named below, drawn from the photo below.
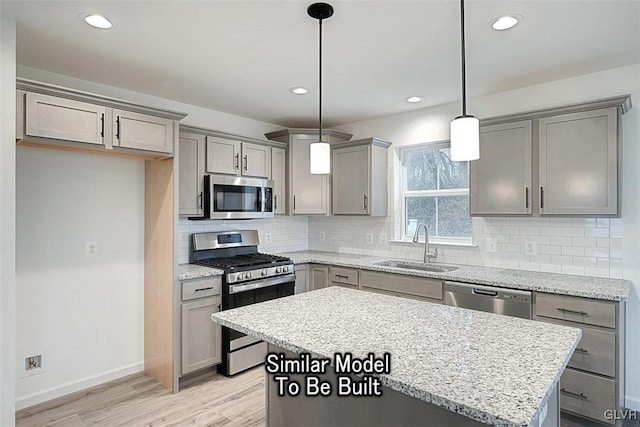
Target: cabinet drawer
(410, 285)
(575, 309)
(587, 395)
(201, 288)
(343, 275)
(596, 352)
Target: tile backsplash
(578, 246)
(278, 234)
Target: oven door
(241, 351)
(241, 198)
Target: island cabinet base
(391, 409)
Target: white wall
(198, 116)
(7, 220)
(432, 124)
(83, 312)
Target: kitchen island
(448, 366)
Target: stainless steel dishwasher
(510, 302)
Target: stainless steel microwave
(231, 197)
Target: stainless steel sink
(436, 268)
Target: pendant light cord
(320, 85)
(464, 78)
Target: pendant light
(320, 151)
(465, 129)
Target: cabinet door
(201, 338)
(309, 192)
(58, 118)
(578, 163)
(500, 181)
(318, 277)
(191, 172)
(302, 278)
(351, 178)
(256, 160)
(223, 156)
(279, 178)
(143, 132)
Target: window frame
(406, 194)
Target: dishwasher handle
(482, 292)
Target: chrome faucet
(427, 254)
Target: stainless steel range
(249, 277)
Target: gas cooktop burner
(240, 262)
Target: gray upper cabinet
(191, 171)
(279, 178)
(578, 163)
(359, 178)
(58, 118)
(308, 194)
(226, 156)
(500, 181)
(142, 132)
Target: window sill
(439, 243)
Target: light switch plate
(382, 238)
(370, 238)
(323, 236)
(267, 237)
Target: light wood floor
(138, 400)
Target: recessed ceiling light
(97, 21)
(506, 22)
(298, 90)
(414, 99)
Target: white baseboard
(73, 386)
(632, 403)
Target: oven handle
(234, 289)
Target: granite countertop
(192, 271)
(495, 369)
(564, 284)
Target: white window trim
(404, 194)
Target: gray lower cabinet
(302, 278)
(500, 180)
(191, 171)
(593, 383)
(318, 276)
(578, 163)
(201, 337)
(359, 177)
(402, 285)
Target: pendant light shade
(465, 129)
(320, 151)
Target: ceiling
(242, 57)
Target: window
(435, 190)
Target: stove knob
(264, 272)
(285, 269)
(278, 269)
(247, 276)
(241, 276)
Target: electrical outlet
(370, 238)
(91, 248)
(267, 237)
(33, 362)
(323, 236)
(491, 245)
(530, 247)
(382, 238)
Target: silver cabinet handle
(365, 202)
(342, 276)
(526, 197)
(237, 161)
(294, 202)
(203, 289)
(102, 126)
(245, 163)
(582, 350)
(571, 393)
(566, 310)
(200, 201)
(541, 197)
(118, 128)
(275, 202)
